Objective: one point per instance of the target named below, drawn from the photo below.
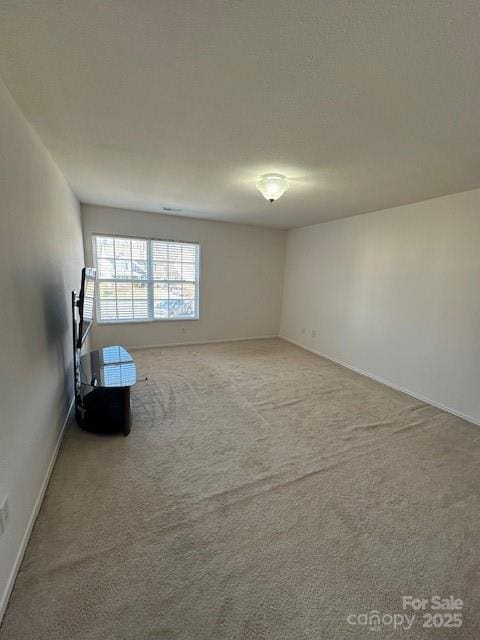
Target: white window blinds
(141, 280)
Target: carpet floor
(263, 493)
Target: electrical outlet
(303, 331)
(5, 509)
(4, 514)
(314, 333)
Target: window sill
(113, 322)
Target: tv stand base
(106, 410)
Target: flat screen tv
(86, 303)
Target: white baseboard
(388, 383)
(186, 344)
(38, 503)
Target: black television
(86, 303)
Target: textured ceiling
(183, 103)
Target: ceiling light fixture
(272, 186)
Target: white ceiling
(183, 103)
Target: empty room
(240, 313)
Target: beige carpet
(263, 493)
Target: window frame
(150, 281)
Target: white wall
(395, 294)
(241, 277)
(41, 254)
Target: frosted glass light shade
(272, 186)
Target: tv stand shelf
(103, 402)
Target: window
(144, 280)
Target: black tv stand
(103, 379)
(106, 377)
